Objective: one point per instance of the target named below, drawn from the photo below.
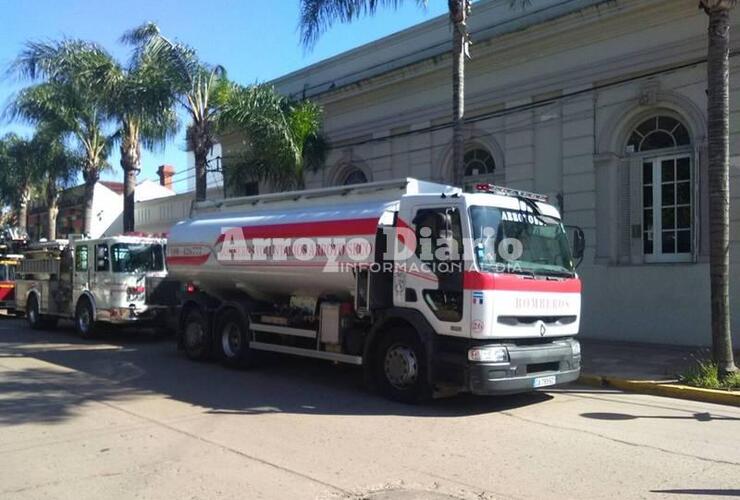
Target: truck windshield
(3, 272)
(137, 257)
(520, 241)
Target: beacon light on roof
(504, 191)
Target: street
(130, 417)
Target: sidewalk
(635, 361)
(647, 368)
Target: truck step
(310, 353)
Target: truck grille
(528, 320)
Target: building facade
(598, 103)
(107, 208)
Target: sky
(255, 40)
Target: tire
(232, 340)
(401, 367)
(84, 322)
(197, 340)
(33, 315)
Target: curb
(664, 389)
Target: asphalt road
(128, 417)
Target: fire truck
(8, 266)
(11, 241)
(92, 282)
(429, 288)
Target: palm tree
(718, 118)
(58, 166)
(19, 173)
(197, 86)
(143, 102)
(76, 79)
(318, 15)
(283, 138)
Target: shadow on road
(126, 365)
(699, 417)
(713, 493)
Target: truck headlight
(576, 346)
(488, 354)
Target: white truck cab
(91, 281)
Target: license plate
(544, 381)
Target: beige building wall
(552, 95)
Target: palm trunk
(91, 176)
(201, 162)
(459, 11)
(25, 197)
(51, 233)
(718, 112)
(130, 163)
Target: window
(137, 258)
(667, 208)
(81, 258)
(664, 179)
(354, 176)
(101, 257)
(479, 168)
(660, 132)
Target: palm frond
(316, 16)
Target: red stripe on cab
(474, 280)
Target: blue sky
(255, 40)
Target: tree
(283, 138)
(58, 166)
(318, 15)
(76, 79)
(197, 86)
(718, 118)
(143, 102)
(18, 174)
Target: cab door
(432, 280)
(81, 273)
(100, 277)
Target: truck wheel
(196, 336)
(32, 313)
(84, 322)
(232, 339)
(401, 367)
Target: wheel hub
(84, 320)
(401, 366)
(231, 340)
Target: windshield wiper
(558, 274)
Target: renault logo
(543, 329)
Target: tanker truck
(430, 289)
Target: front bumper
(127, 316)
(528, 366)
(552, 361)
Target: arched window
(353, 175)
(659, 132)
(479, 168)
(667, 193)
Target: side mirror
(579, 243)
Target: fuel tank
(297, 243)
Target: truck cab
(8, 266)
(494, 275)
